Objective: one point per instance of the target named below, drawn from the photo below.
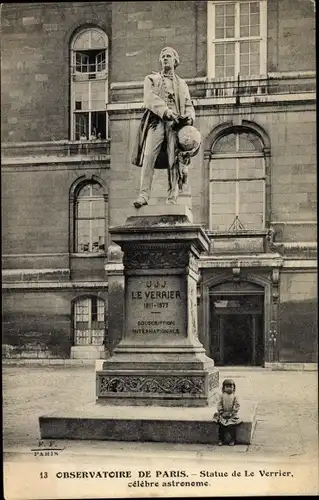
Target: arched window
(89, 319)
(90, 219)
(89, 84)
(237, 182)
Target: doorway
(236, 331)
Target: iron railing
(231, 88)
(241, 87)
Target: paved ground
(286, 417)
(282, 459)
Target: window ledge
(53, 143)
(55, 152)
(247, 233)
(89, 255)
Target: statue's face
(167, 60)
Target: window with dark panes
(90, 219)
(89, 85)
(89, 321)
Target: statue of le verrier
(166, 138)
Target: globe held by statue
(189, 138)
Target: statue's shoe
(139, 202)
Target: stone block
(311, 367)
(41, 77)
(29, 21)
(164, 32)
(162, 213)
(174, 425)
(238, 245)
(145, 25)
(87, 352)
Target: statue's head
(169, 58)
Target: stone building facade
(72, 81)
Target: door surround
(249, 283)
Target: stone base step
(88, 352)
(157, 424)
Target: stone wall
(292, 135)
(35, 219)
(142, 29)
(36, 212)
(293, 139)
(38, 323)
(183, 25)
(36, 57)
(35, 61)
(292, 159)
(298, 317)
(291, 35)
(35, 107)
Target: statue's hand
(184, 157)
(170, 115)
(186, 120)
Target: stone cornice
(298, 264)
(55, 152)
(293, 222)
(284, 75)
(260, 260)
(134, 109)
(52, 285)
(12, 272)
(300, 250)
(55, 160)
(237, 234)
(268, 90)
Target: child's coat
(227, 410)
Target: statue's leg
(154, 139)
(172, 170)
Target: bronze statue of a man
(168, 107)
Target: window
(237, 36)
(89, 321)
(237, 182)
(90, 219)
(89, 85)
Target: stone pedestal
(160, 360)
(115, 279)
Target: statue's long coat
(155, 107)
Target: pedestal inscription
(155, 306)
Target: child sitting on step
(227, 414)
